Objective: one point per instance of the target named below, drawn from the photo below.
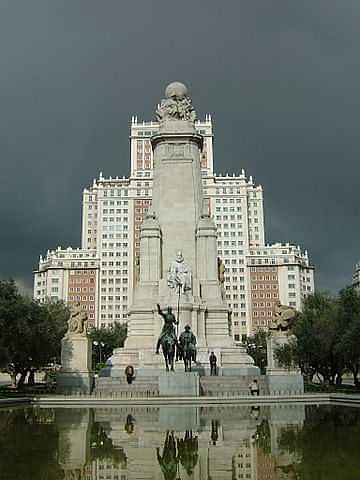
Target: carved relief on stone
(179, 274)
(78, 321)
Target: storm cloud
(281, 79)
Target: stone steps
(144, 386)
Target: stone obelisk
(179, 240)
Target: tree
(31, 332)
(256, 348)
(107, 338)
(326, 445)
(28, 445)
(349, 345)
(318, 329)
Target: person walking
(254, 388)
(213, 362)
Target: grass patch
(321, 388)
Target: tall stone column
(150, 251)
(207, 269)
(177, 189)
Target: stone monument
(178, 255)
(282, 381)
(75, 374)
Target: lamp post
(100, 345)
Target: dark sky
(281, 79)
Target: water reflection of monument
(223, 443)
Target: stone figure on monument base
(78, 321)
(76, 353)
(179, 274)
(282, 380)
(283, 318)
(221, 275)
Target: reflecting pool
(173, 443)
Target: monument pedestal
(281, 381)
(185, 384)
(75, 374)
(231, 361)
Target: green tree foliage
(111, 337)
(326, 446)
(102, 447)
(326, 337)
(349, 345)
(28, 446)
(31, 332)
(256, 348)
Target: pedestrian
(130, 374)
(254, 388)
(213, 361)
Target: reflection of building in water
(265, 465)
(244, 461)
(186, 443)
(107, 470)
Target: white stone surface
(179, 384)
(178, 223)
(76, 357)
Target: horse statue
(187, 348)
(167, 339)
(168, 347)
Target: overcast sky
(281, 79)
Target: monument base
(280, 380)
(185, 384)
(74, 382)
(75, 374)
(232, 361)
(283, 382)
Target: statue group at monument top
(177, 104)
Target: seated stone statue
(283, 317)
(179, 274)
(78, 321)
(168, 330)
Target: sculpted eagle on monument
(177, 104)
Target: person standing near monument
(168, 329)
(254, 388)
(213, 364)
